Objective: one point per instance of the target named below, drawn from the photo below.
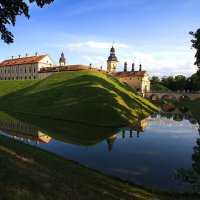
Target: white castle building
(24, 67)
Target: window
(34, 70)
(25, 70)
(34, 77)
(25, 77)
(29, 77)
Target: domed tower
(112, 61)
(62, 60)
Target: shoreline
(30, 151)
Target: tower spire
(112, 60)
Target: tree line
(179, 82)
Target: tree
(155, 80)
(196, 45)
(180, 82)
(9, 10)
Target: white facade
(24, 68)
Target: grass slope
(34, 174)
(82, 96)
(159, 88)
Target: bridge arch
(184, 98)
(168, 107)
(168, 97)
(154, 97)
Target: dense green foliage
(159, 88)
(179, 82)
(80, 96)
(9, 10)
(34, 174)
(196, 45)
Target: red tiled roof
(22, 61)
(135, 73)
(70, 68)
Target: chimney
(125, 67)
(133, 67)
(27, 55)
(36, 54)
(20, 55)
(140, 67)
(13, 57)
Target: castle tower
(133, 67)
(140, 67)
(112, 61)
(62, 60)
(125, 67)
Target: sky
(154, 33)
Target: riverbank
(194, 107)
(77, 96)
(30, 173)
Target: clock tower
(62, 60)
(112, 61)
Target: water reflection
(23, 131)
(147, 152)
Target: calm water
(147, 153)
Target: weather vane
(113, 43)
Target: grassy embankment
(81, 96)
(30, 173)
(159, 88)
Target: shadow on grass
(83, 98)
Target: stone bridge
(172, 95)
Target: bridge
(172, 95)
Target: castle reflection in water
(28, 133)
(23, 132)
(137, 127)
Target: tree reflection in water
(196, 157)
(192, 176)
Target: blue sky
(153, 32)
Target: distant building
(112, 61)
(137, 80)
(47, 71)
(24, 67)
(62, 60)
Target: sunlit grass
(76, 96)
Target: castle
(42, 66)
(137, 80)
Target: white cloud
(159, 64)
(89, 46)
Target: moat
(147, 153)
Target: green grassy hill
(159, 88)
(81, 96)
